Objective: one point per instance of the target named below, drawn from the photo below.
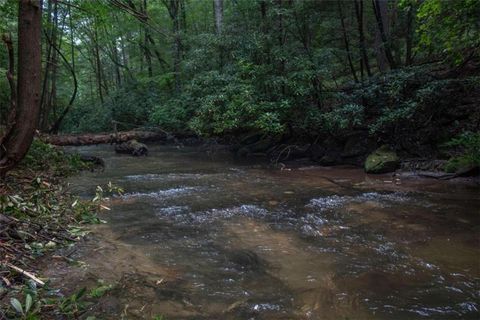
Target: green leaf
(28, 303)
(16, 305)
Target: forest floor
(38, 216)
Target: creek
(214, 237)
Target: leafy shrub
(46, 157)
(344, 117)
(469, 144)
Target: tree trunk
(56, 125)
(383, 47)
(361, 35)
(98, 65)
(409, 37)
(46, 86)
(173, 7)
(98, 138)
(17, 143)
(218, 9)
(146, 49)
(345, 41)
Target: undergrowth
(38, 215)
(467, 147)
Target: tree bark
(16, 144)
(56, 125)
(98, 63)
(361, 35)
(383, 46)
(173, 7)
(218, 9)
(345, 41)
(146, 49)
(409, 37)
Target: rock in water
(132, 147)
(382, 160)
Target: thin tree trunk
(146, 32)
(218, 10)
(173, 7)
(345, 41)
(16, 144)
(361, 35)
(98, 65)
(52, 96)
(56, 125)
(46, 86)
(281, 41)
(409, 37)
(380, 10)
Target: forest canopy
(225, 67)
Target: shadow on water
(196, 237)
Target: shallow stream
(241, 240)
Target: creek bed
(244, 241)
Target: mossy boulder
(382, 160)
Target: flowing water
(239, 240)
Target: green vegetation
(467, 147)
(290, 68)
(46, 158)
(38, 216)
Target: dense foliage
(280, 67)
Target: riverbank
(38, 216)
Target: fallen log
(99, 138)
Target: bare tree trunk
(408, 37)
(218, 9)
(98, 65)
(281, 39)
(16, 144)
(46, 86)
(173, 7)
(345, 41)
(361, 34)
(146, 49)
(382, 43)
(56, 125)
(52, 96)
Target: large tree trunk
(18, 141)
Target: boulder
(382, 160)
(132, 147)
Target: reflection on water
(248, 242)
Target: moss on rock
(382, 160)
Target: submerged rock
(382, 160)
(132, 147)
(246, 260)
